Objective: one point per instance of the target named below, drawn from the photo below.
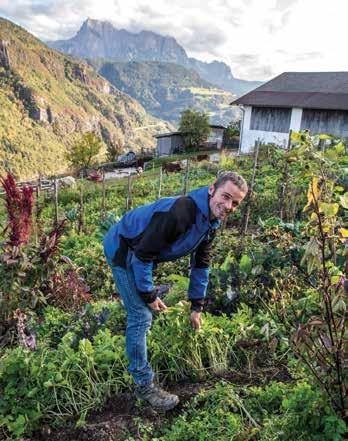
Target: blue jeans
(139, 319)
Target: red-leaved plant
(19, 205)
(31, 275)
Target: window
(270, 119)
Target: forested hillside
(48, 99)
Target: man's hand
(195, 319)
(157, 305)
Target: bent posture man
(165, 230)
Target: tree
(114, 149)
(84, 151)
(194, 127)
(233, 129)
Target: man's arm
(199, 275)
(163, 230)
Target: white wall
(249, 137)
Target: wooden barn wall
(333, 122)
(270, 119)
(164, 146)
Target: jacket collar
(201, 199)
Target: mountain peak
(101, 39)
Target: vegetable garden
(270, 361)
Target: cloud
(258, 39)
(281, 5)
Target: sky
(257, 39)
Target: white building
(317, 101)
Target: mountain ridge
(167, 89)
(100, 39)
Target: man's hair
(236, 179)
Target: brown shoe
(156, 397)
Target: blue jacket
(162, 231)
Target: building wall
(332, 122)
(177, 142)
(249, 137)
(168, 144)
(215, 137)
(270, 119)
(164, 146)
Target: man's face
(225, 199)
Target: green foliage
(50, 385)
(232, 130)
(210, 415)
(259, 290)
(178, 352)
(114, 149)
(294, 412)
(83, 152)
(86, 251)
(271, 413)
(194, 127)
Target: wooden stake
(55, 200)
(37, 211)
(103, 209)
(186, 182)
(81, 211)
(251, 191)
(284, 181)
(129, 193)
(160, 182)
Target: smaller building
(169, 143)
(215, 139)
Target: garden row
(276, 302)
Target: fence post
(39, 186)
(103, 210)
(55, 200)
(81, 211)
(37, 210)
(129, 193)
(160, 182)
(186, 182)
(285, 180)
(251, 191)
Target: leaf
(339, 306)
(313, 193)
(344, 201)
(245, 264)
(343, 232)
(324, 136)
(340, 148)
(328, 209)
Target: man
(165, 230)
